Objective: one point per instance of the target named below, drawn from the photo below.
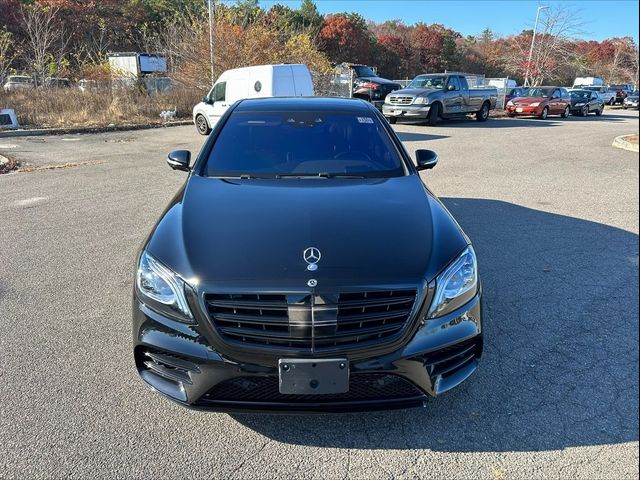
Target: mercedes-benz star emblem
(312, 256)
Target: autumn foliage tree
(343, 39)
(247, 34)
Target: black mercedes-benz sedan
(305, 266)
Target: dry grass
(632, 138)
(72, 108)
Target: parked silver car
(18, 82)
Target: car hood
(252, 233)
(378, 80)
(529, 100)
(633, 98)
(579, 100)
(415, 92)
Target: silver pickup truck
(435, 96)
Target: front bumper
(630, 104)
(407, 111)
(524, 111)
(178, 361)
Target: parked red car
(540, 102)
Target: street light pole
(213, 78)
(533, 39)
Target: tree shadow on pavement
(560, 367)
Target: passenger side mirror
(179, 160)
(426, 159)
(451, 87)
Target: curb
(620, 142)
(110, 128)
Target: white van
(288, 80)
(588, 82)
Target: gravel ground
(552, 210)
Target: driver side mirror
(426, 159)
(179, 160)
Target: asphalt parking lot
(552, 210)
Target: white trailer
(136, 65)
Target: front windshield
(303, 144)
(428, 81)
(19, 79)
(364, 71)
(537, 92)
(581, 94)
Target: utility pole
(213, 78)
(533, 39)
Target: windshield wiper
(318, 175)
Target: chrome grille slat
(400, 100)
(345, 320)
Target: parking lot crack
(247, 458)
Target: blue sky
(602, 18)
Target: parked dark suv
(305, 266)
(367, 85)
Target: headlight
(510, 103)
(581, 104)
(456, 285)
(534, 104)
(387, 99)
(420, 100)
(162, 289)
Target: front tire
(544, 114)
(566, 112)
(434, 115)
(202, 125)
(599, 111)
(393, 120)
(585, 111)
(483, 113)
(612, 101)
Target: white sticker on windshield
(365, 120)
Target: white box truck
(284, 80)
(588, 82)
(136, 65)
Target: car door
(554, 102)
(218, 104)
(452, 96)
(566, 99)
(595, 103)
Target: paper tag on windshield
(365, 120)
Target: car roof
(327, 104)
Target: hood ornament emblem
(312, 256)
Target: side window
(453, 81)
(564, 93)
(219, 92)
(556, 94)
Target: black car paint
(593, 104)
(373, 233)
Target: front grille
(362, 387)
(312, 323)
(400, 100)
